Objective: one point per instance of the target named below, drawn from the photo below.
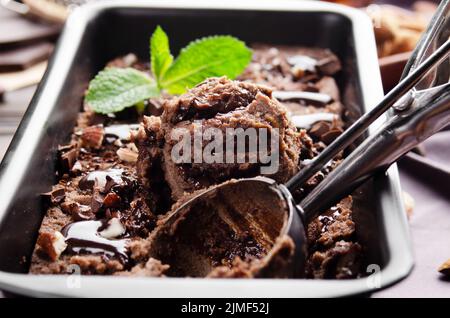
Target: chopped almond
(52, 244)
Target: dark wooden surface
(14, 104)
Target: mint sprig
(115, 89)
(207, 57)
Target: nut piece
(445, 268)
(92, 137)
(111, 200)
(113, 230)
(52, 244)
(79, 212)
(298, 71)
(127, 155)
(77, 168)
(409, 202)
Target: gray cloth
(427, 180)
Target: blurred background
(30, 28)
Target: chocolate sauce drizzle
(102, 177)
(300, 96)
(83, 237)
(306, 121)
(327, 220)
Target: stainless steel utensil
(421, 112)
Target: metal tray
(98, 32)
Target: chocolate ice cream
(220, 104)
(219, 231)
(109, 212)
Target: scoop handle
(429, 113)
(393, 98)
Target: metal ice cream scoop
(419, 107)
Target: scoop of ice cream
(230, 230)
(234, 110)
(211, 97)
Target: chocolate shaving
(319, 129)
(67, 157)
(329, 65)
(97, 200)
(331, 135)
(54, 196)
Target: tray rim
(396, 229)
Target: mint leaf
(203, 58)
(160, 56)
(114, 89)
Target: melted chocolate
(300, 96)
(308, 120)
(327, 220)
(84, 237)
(102, 177)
